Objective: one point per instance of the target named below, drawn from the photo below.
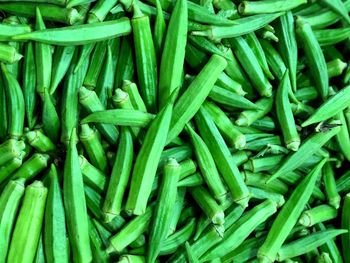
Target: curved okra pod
(330, 107)
(222, 157)
(55, 239)
(15, 101)
(120, 175)
(194, 96)
(288, 216)
(241, 229)
(89, 100)
(80, 34)
(248, 60)
(147, 160)
(310, 146)
(268, 6)
(9, 54)
(26, 235)
(40, 141)
(29, 85)
(314, 56)
(317, 215)
(173, 56)
(10, 199)
(162, 212)
(285, 115)
(75, 204)
(230, 133)
(93, 147)
(61, 61)
(146, 61)
(92, 176)
(308, 243)
(43, 59)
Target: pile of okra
(174, 131)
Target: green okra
(55, 239)
(125, 65)
(337, 7)
(26, 234)
(134, 95)
(10, 30)
(10, 199)
(11, 166)
(263, 163)
(92, 176)
(98, 252)
(40, 141)
(328, 37)
(268, 6)
(288, 216)
(330, 186)
(345, 224)
(263, 194)
(100, 10)
(342, 136)
(162, 212)
(50, 118)
(317, 214)
(75, 204)
(9, 54)
(262, 181)
(229, 84)
(159, 30)
(32, 167)
(93, 147)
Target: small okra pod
(194, 96)
(40, 141)
(190, 255)
(180, 153)
(305, 244)
(159, 30)
(43, 59)
(240, 157)
(89, 100)
(96, 63)
(32, 167)
(92, 176)
(328, 37)
(285, 115)
(345, 224)
(10, 30)
(84, 52)
(288, 216)
(263, 163)
(103, 231)
(268, 6)
(93, 147)
(60, 64)
(29, 85)
(227, 83)
(162, 215)
(307, 93)
(230, 133)
(120, 176)
(50, 118)
(9, 54)
(55, 238)
(146, 61)
(331, 192)
(222, 157)
(49, 12)
(125, 65)
(75, 204)
(130, 232)
(100, 10)
(79, 34)
(10, 149)
(207, 166)
(134, 95)
(147, 160)
(173, 56)
(120, 117)
(335, 67)
(26, 235)
(263, 194)
(343, 136)
(247, 117)
(251, 64)
(310, 146)
(105, 82)
(330, 107)
(330, 247)
(15, 100)
(174, 241)
(10, 200)
(317, 215)
(178, 206)
(231, 99)
(97, 247)
(256, 47)
(241, 26)
(261, 180)
(11, 166)
(241, 229)
(314, 56)
(205, 45)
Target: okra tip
(218, 218)
(294, 145)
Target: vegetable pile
(174, 131)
